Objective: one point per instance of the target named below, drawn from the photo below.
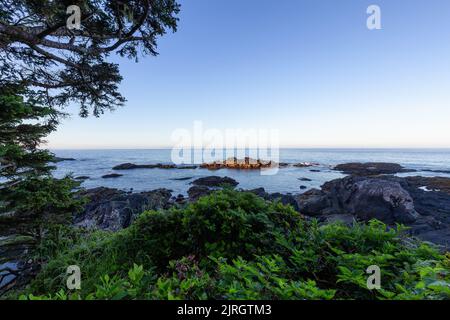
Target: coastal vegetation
(235, 245)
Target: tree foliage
(28, 192)
(38, 49)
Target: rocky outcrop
(305, 164)
(243, 164)
(286, 199)
(215, 181)
(182, 179)
(438, 171)
(370, 168)
(131, 166)
(112, 209)
(196, 192)
(82, 178)
(206, 185)
(364, 198)
(439, 184)
(59, 159)
(389, 199)
(112, 175)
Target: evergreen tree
(30, 198)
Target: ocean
(96, 163)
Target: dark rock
(314, 170)
(286, 199)
(437, 171)
(441, 184)
(303, 187)
(435, 204)
(215, 181)
(131, 166)
(180, 199)
(370, 168)
(187, 167)
(58, 159)
(315, 202)
(182, 179)
(260, 192)
(387, 198)
(82, 178)
(440, 237)
(112, 209)
(196, 192)
(365, 198)
(304, 179)
(112, 175)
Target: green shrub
(234, 245)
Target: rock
(182, 179)
(315, 202)
(437, 171)
(59, 159)
(286, 199)
(82, 178)
(441, 184)
(206, 185)
(388, 198)
(303, 187)
(112, 175)
(364, 198)
(243, 164)
(112, 209)
(215, 181)
(180, 199)
(304, 179)
(187, 167)
(370, 168)
(260, 192)
(440, 237)
(196, 192)
(435, 204)
(304, 164)
(314, 170)
(132, 166)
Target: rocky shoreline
(370, 191)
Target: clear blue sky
(309, 68)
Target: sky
(310, 69)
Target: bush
(234, 245)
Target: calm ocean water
(96, 163)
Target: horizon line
(250, 148)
